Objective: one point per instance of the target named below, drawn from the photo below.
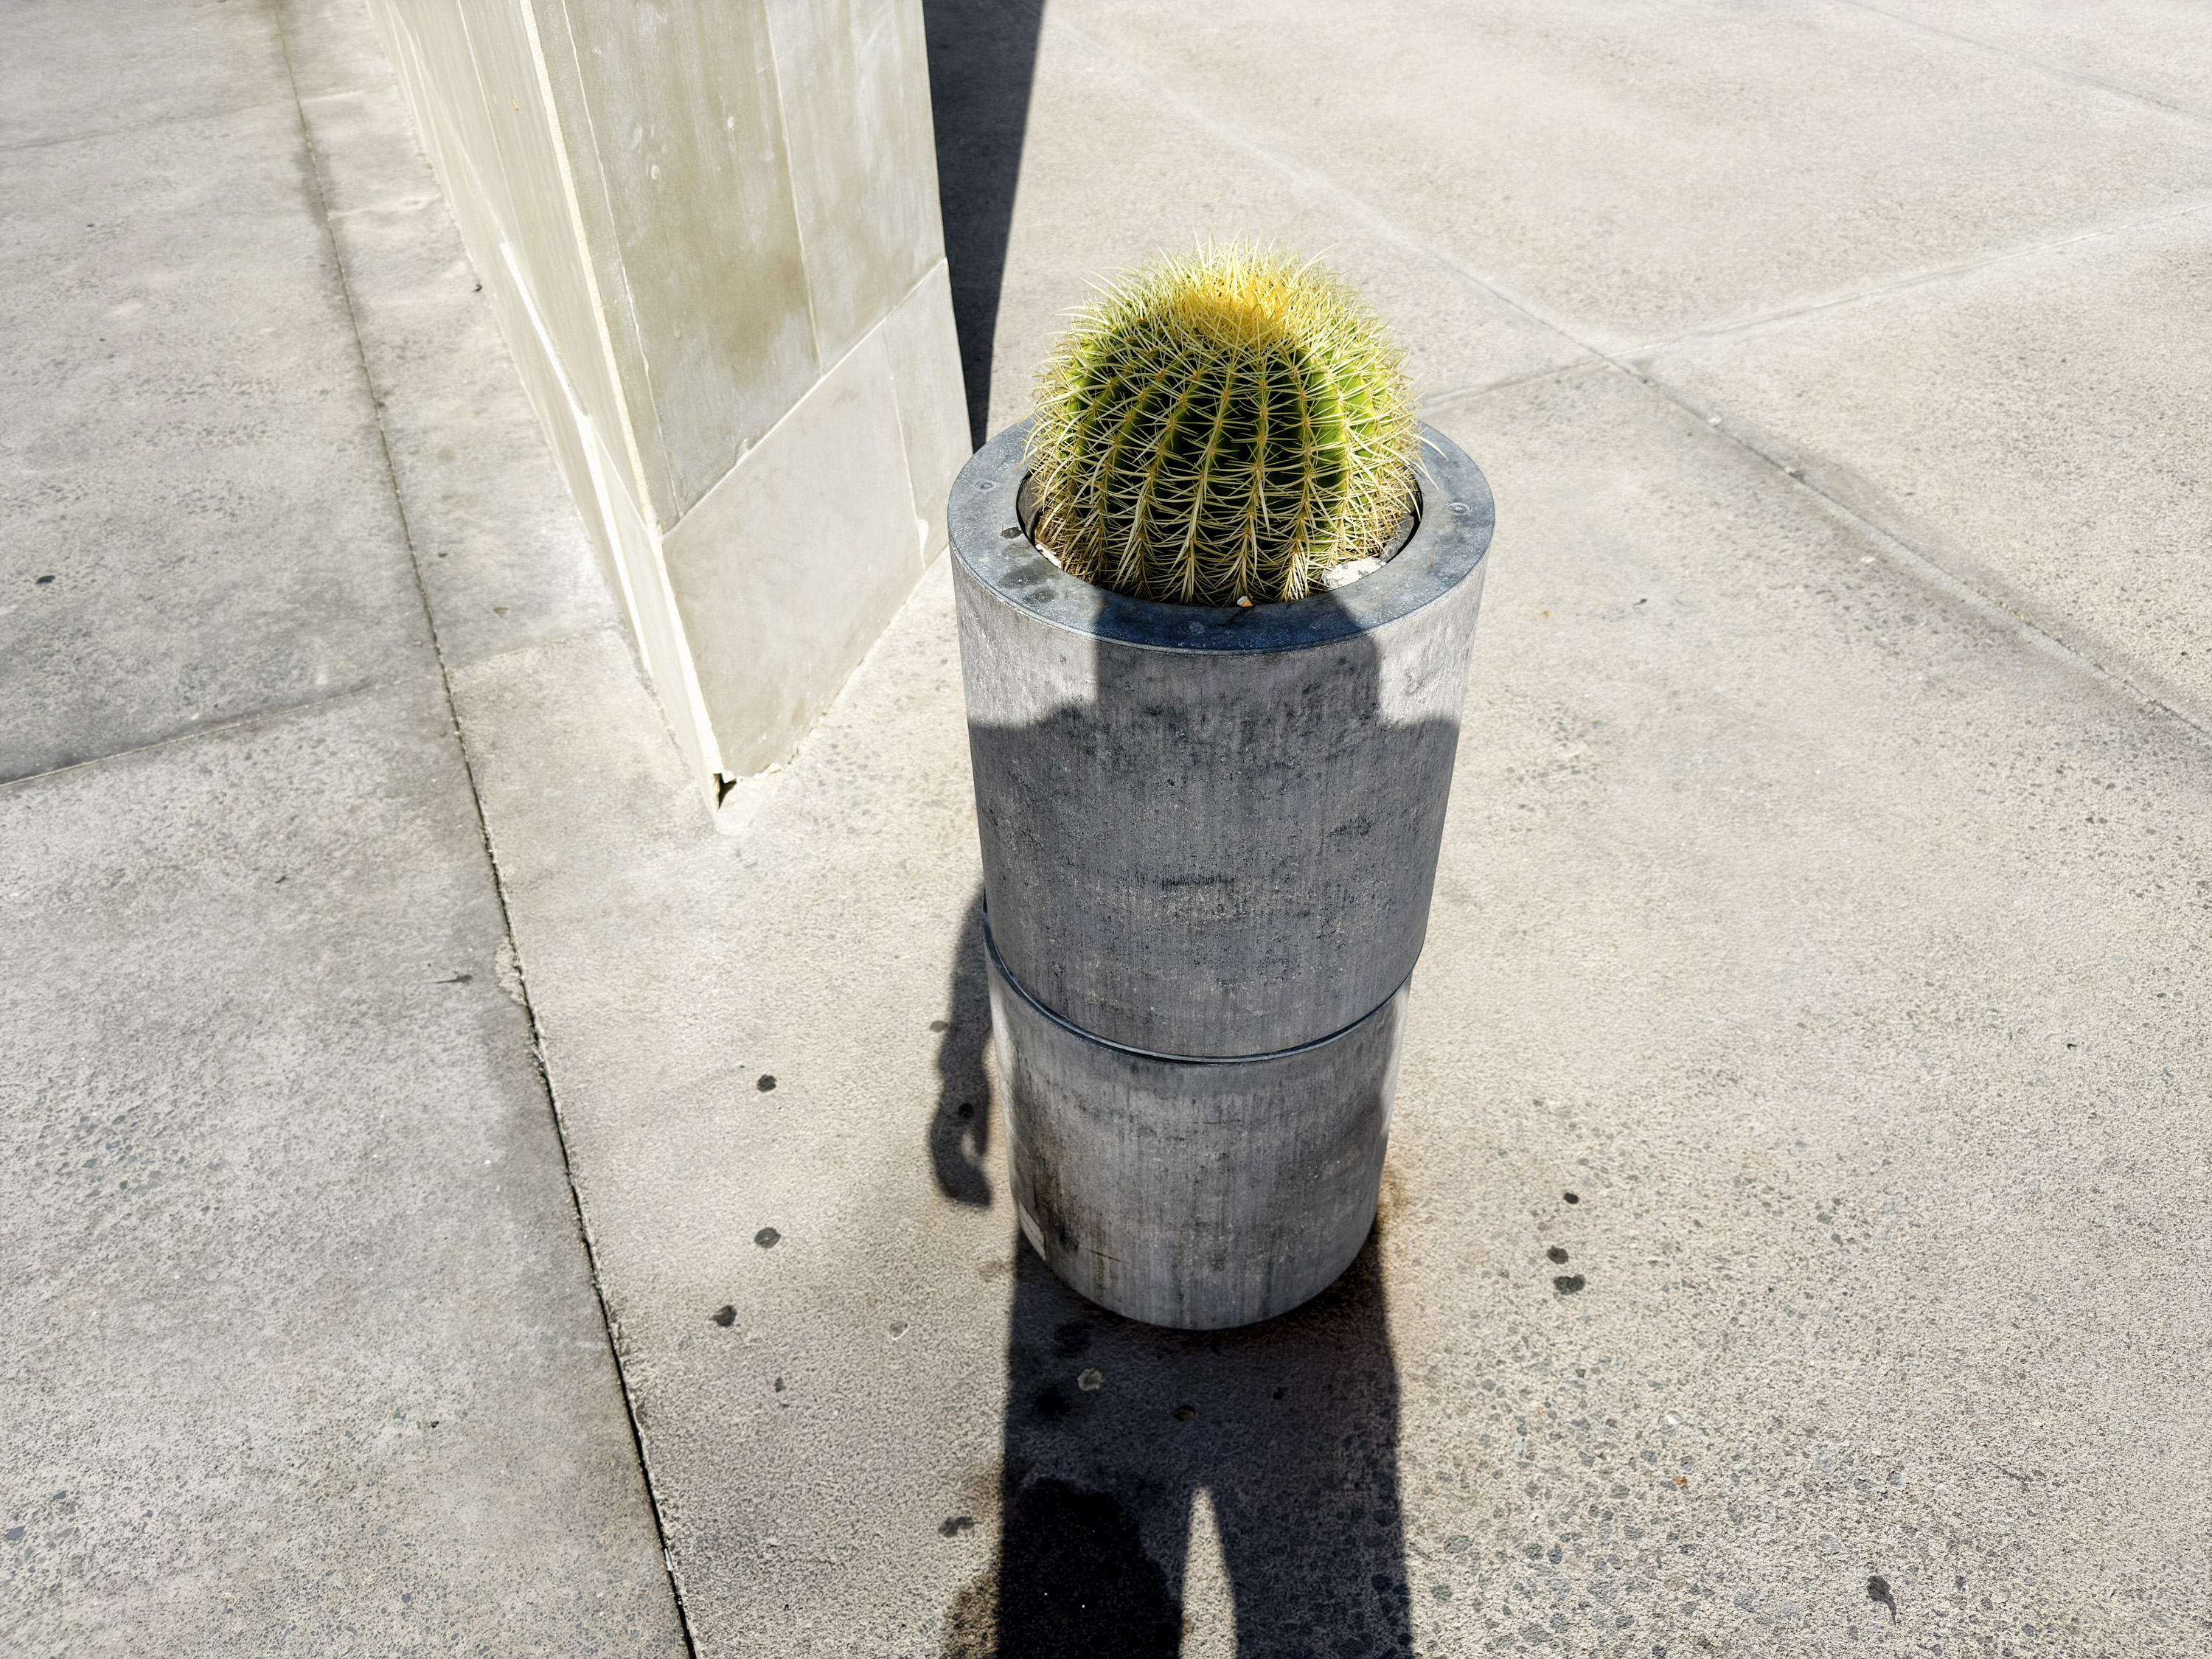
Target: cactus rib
(1224, 425)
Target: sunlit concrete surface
(1794, 1240)
(299, 1349)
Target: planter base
(1194, 1192)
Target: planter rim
(1455, 518)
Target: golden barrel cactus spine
(1222, 427)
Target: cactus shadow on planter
(1209, 840)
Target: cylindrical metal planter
(1209, 838)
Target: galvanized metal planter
(1209, 838)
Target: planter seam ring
(1071, 1027)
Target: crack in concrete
(1900, 285)
(274, 712)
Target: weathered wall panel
(710, 233)
(925, 353)
(824, 512)
(862, 157)
(680, 106)
(471, 74)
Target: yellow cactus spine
(1222, 426)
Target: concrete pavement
(299, 1349)
(1795, 1240)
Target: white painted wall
(709, 229)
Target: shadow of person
(1205, 832)
(1113, 1430)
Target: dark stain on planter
(1567, 1284)
(1047, 1210)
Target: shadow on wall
(982, 57)
(1113, 1429)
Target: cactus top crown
(1223, 426)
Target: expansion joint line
(2056, 71)
(484, 835)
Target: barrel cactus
(1222, 427)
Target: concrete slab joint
(723, 276)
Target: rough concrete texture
(1769, 909)
(2018, 427)
(1834, 937)
(502, 555)
(1783, 869)
(2153, 52)
(157, 61)
(1632, 176)
(186, 369)
(302, 1350)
